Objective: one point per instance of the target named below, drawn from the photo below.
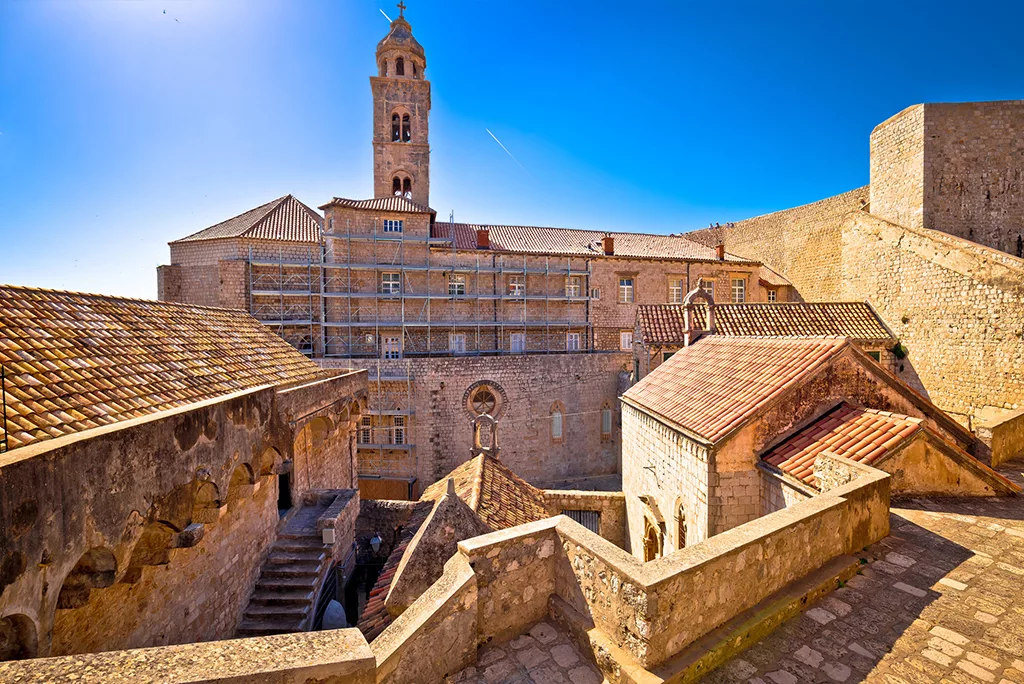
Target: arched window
(407, 188)
(396, 185)
(557, 419)
(414, 72)
(384, 68)
(396, 132)
(606, 421)
(406, 128)
(399, 67)
(680, 528)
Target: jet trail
(506, 149)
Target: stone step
(306, 582)
(304, 535)
(284, 611)
(283, 557)
(299, 545)
(254, 628)
(284, 596)
(296, 569)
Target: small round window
(483, 401)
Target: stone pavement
(544, 655)
(941, 600)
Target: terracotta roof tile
(500, 497)
(394, 203)
(664, 323)
(714, 385)
(574, 242)
(286, 219)
(78, 361)
(862, 435)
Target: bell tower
(401, 109)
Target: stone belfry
(401, 109)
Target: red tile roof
(664, 323)
(501, 498)
(375, 616)
(770, 278)
(394, 203)
(859, 434)
(78, 361)
(574, 242)
(716, 384)
(286, 219)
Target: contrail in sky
(506, 149)
(385, 15)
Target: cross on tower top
(401, 8)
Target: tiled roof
(395, 203)
(77, 361)
(713, 386)
(500, 497)
(859, 434)
(664, 323)
(286, 219)
(573, 242)
(375, 616)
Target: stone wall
(897, 168)
(1004, 436)
(957, 307)
(527, 388)
(611, 506)
(676, 474)
(778, 491)
(804, 243)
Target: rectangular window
(589, 519)
(399, 436)
(675, 291)
(626, 340)
(708, 286)
(516, 286)
(391, 283)
(625, 290)
(606, 422)
(456, 284)
(457, 343)
(365, 430)
(773, 295)
(392, 226)
(573, 286)
(595, 293)
(517, 343)
(330, 225)
(391, 347)
(572, 341)
(739, 290)
(665, 356)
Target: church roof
(396, 203)
(79, 361)
(501, 498)
(576, 242)
(712, 387)
(400, 37)
(286, 219)
(665, 323)
(859, 434)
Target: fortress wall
(804, 243)
(957, 306)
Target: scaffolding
(385, 424)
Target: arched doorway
(17, 638)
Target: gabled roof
(286, 219)
(395, 203)
(574, 242)
(713, 386)
(664, 323)
(500, 497)
(78, 361)
(859, 434)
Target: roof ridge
(278, 203)
(477, 483)
(576, 230)
(274, 202)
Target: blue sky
(126, 124)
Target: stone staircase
(285, 595)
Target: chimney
(720, 251)
(483, 238)
(609, 244)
